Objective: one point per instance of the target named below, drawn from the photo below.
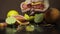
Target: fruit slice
(30, 28)
(12, 13)
(31, 18)
(10, 20)
(26, 17)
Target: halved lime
(10, 20)
(31, 18)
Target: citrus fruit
(12, 13)
(31, 18)
(26, 16)
(10, 20)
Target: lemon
(12, 13)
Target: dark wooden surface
(46, 30)
(51, 29)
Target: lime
(12, 13)
(26, 16)
(10, 20)
(31, 18)
(30, 28)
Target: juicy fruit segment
(12, 13)
(31, 18)
(38, 17)
(26, 17)
(10, 20)
(30, 28)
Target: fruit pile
(14, 17)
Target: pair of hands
(24, 7)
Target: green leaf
(38, 17)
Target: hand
(24, 7)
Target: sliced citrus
(10, 20)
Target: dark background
(6, 5)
